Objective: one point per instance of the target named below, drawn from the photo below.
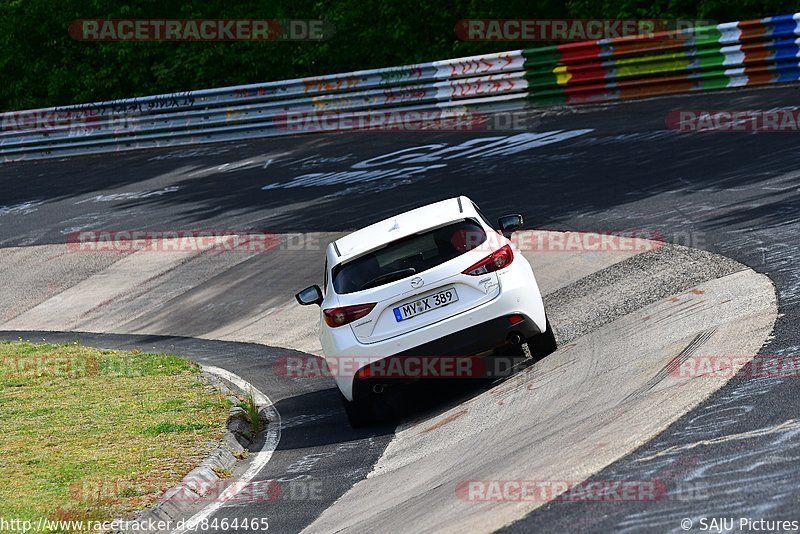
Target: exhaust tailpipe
(515, 338)
(378, 388)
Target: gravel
(646, 278)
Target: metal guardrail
(732, 54)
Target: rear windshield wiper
(394, 275)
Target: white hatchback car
(437, 282)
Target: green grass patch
(166, 428)
(98, 434)
(249, 406)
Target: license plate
(425, 304)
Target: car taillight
(346, 314)
(493, 262)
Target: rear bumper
(475, 339)
(452, 356)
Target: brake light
(346, 314)
(493, 262)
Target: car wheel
(506, 360)
(543, 344)
(358, 414)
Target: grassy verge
(96, 434)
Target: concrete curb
(208, 477)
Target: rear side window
(406, 257)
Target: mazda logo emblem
(417, 282)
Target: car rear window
(396, 260)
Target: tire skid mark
(529, 379)
(673, 364)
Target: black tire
(510, 350)
(506, 361)
(543, 344)
(358, 414)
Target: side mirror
(509, 224)
(310, 295)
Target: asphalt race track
(604, 168)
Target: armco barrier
(732, 54)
